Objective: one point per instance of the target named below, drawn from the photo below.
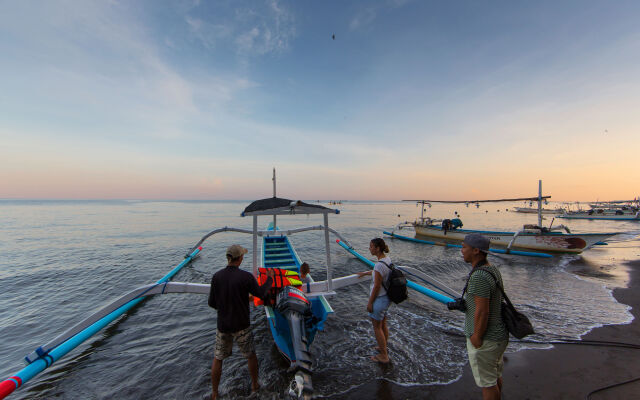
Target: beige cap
(235, 251)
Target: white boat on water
(601, 214)
(624, 210)
(530, 237)
(532, 210)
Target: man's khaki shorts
(224, 343)
(486, 362)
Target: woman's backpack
(397, 284)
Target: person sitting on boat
(304, 273)
(229, 294)
(487, 336)
(378, 300)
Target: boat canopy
(280, 206)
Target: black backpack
(397, 284)
(516, 322)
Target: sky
(379, 100)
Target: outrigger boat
(603, 214)
(295, 314)
(620, 210)
(530, 237)
(531, 210)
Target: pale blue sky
(199, 99)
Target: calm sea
(62, 260)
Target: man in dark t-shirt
(229, 294)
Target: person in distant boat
(378, 300)
(487, 336)
(229, 294)
(304, 273)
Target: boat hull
(605, 217)
(277, 252)
(528, 210)
(547, 242)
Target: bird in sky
(333, 36)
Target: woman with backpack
(378, 300)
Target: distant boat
(612, 210)
(600, 214)
(532, 210)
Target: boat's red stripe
(298, 296)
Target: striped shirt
(482, 284)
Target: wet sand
(562, 372)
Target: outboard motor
(293, 304)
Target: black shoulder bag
(397, 284)
(517, 323)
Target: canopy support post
(255, 246)
(328, 251)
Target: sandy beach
(562, 372)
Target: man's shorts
(486, 362)
(224, 343)
(380, 306)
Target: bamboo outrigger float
(530, 237)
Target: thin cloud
(365, 17)
(266, 28)
(99, 62)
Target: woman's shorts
(380, 306)
(224, 343)
(486, 362)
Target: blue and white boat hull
(534, 239)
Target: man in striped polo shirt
(487, 336)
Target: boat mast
(328, 252)
(422, 212)
(274, 195)
(255, 246)
(540, 203)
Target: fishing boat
(530, 237)
(531, 210)
(295, 313)
(600, 214)
(619, 210)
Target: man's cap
(235, 251)
(477, 241)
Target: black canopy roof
(280, 206)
